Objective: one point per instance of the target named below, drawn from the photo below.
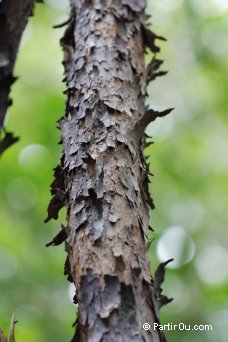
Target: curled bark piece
(149, 116)
(57, 202)
(152, 115)
(152, 70)
(59, 238)
(8, 140)
(149, 39)
(159, 276)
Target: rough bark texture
(102, 176)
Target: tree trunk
(102, 176)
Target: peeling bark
(102, 175)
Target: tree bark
(102, 176)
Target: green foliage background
(189, 160)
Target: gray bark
(102, 176)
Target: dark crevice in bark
(103, 175)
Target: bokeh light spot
(62, 5)
(71, 292)
(212, 264)
(219, 322)
(8, 263)
(175, 243)
(35, 156)
(21, 193)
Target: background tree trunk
(102, 175)
(13, 19)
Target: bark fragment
(159, 276)
(152, 70)
(8, 140)
(59, 238)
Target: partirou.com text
(180, 326)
